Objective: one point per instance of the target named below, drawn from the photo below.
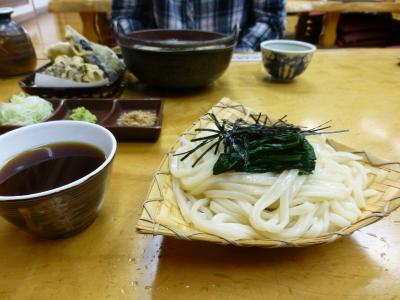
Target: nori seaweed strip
(260, 146)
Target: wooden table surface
(357, 89)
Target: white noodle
(287, 206)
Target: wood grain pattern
(80, 6)
(357, 89)
(339, 6)
(329, 29)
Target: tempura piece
(75, 69)
(58, 49)
(93, 53)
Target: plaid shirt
(259, 20)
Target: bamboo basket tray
(161, 215)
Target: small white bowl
(286, 59)
(68, 209)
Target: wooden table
(333, 9)
(357, 89)
(94, 14)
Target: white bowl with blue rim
(285, 59)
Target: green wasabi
(82, 114)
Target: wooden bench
(333, 9)
(94, 14)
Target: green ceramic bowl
(177, 59)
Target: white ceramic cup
(285, 59)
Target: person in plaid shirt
(259, 20)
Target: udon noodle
(286, 206)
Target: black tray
(107, 112)
(113, 89)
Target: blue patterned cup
(286, 59)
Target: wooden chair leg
(60, 24)
(89, 26)
(103, 26)
(301, 26)
(329, 28)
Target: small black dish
(107, 112)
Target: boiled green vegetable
(82, 114)
(259, 146)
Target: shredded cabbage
(23, 110)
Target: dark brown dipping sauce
(48, 167)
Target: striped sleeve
(132, 15)
(269, 24)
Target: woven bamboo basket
(161, 214)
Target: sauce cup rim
(72, 184)
(309, 47)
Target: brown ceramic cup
(66, 210)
